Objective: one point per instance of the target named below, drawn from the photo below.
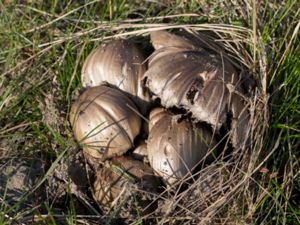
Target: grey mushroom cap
(184, 75)
(118, 63)
(123, 173)
(176, 147)
(163, 39)
(104, 123)
(140, 152)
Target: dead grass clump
(223, 192)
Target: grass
(43, 46)
(280, 38)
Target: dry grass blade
(142, 29)
(59, 18)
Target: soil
(18, 179)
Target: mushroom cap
(140, 152)
(163, 39)
(118, 63)
(184, 75)
(155, 115)
(122, 174)
(104, 123)
(175, 147)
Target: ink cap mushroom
(183, 73)
(104, 122)
(121, 64)
(176, 146)
(123, 175)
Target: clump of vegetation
(43, 47)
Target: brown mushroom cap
(140, 152)
(122, 174)
(187, 76)
(163, 39)
(104, 123)
(118, 63)
(176, 147)
(155, 115)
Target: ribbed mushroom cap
(103, 122)
(120, 176)
(140, 152)
(184, 75)
(163, 39)
(155, 115)
(175, 146)
(119, 63)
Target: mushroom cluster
(141, 121)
